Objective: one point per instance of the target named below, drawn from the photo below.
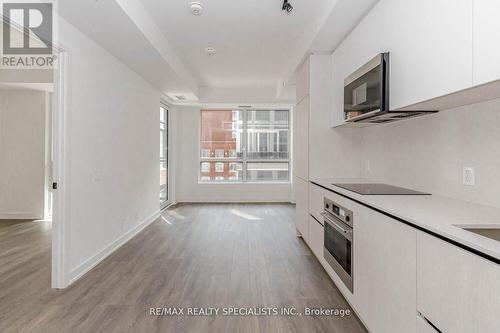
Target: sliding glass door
(164, 193)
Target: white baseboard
(21, 215)
(233, 200)
(90, 263)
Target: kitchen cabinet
(316, 197)
(430, 49)
(384, 272)
(302, 88)
(457, 291)
(435, 50)
(313, 82)
(316, 238)
(486, 55)
(302, 139)
(302, 207)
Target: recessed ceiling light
(210, 51)
(196, 8)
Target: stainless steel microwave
(366, 94)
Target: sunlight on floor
(245, 215)
(164, 219)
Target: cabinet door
(316, 199)
(456, 290)
(384, 272)
(302, 207)
(301, 155)
(486, 41)
(316, 238)
(302, 89)
(430, 49)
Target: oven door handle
(334, 224)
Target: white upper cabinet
(430, 49)
(436, 47)
(486, 41)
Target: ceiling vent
(180, 97)
(196, 8)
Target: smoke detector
(210, 51)
(196, 8)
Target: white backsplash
(429, 153)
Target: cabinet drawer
(456, 290)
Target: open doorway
(25, 153)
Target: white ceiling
(252, 38)
(258, 47)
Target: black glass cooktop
(379, 189)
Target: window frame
(244, 159)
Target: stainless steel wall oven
(338, 241)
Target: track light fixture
(287, 7)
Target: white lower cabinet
(399, 271)
(384, 272)
(302, 207)
(457, 291)
(316, 238)
(316, 197)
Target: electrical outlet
(468, 176)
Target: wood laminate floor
(196, 255)
(8, 223)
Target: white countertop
(433, 213)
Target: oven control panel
(343, 214)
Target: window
(205, 167)
(219, 153)
(205, 153)
(219, 167)
(245, 146)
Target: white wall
(187, 158)
(113, 144)
(22, 153)
(429, 153)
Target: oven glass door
(339, 247)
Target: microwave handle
(334, 224)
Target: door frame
(60, 277)
(168, 202)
